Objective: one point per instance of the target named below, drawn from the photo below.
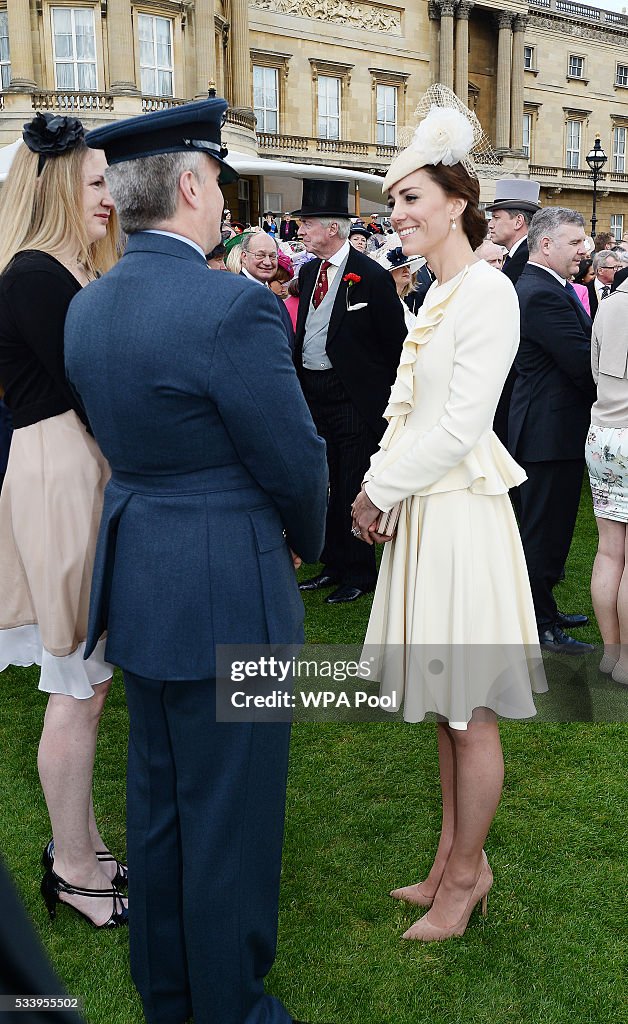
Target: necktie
(506, 262)
(606, 291)
(321, 285)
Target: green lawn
(363, 817)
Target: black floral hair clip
(51, 134)
(396, 257)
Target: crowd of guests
(162, 437)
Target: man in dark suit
(516, 202)
(605, 266)
(288, 228)
(217, 475)
(350, 329)
(258, 258)
(550, 412)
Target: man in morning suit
(288, 228)
(516, 202)
(217, 475)
(350, 329)
(605, 266)
(550, 412)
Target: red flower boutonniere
(350, 280)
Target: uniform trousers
(350, 444)
(549, 505)
(205, 815)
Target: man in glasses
(605, 265)
(259, 263)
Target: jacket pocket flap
(268, 529)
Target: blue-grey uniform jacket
(216, 465)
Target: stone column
(205, 45)
(463, 11)
(504, 49)
(21, 44)
(120, 48)
(433, 11)
(447, 42)
(240, 57)
(516, 92)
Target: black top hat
(323, 198)
(193, 127)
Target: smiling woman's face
(421, 213)
(97, 201)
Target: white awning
(370, 185)
(6, 157)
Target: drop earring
(453, 224)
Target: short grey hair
(248, 237)
(145, 191)
(600, 258)
(343, 225)
(546, 222)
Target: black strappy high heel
(119, 881)
(52, 885)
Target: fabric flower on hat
(444, 136)
(285, 262)
(51, 134)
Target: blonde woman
(57, 230)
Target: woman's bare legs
(426, 890)
(479, 778)
(607, 582)
(66, 762)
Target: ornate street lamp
(596, 160)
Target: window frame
(526, 118)
(619, 219)
(326, 116)
(571, 74)
(266, 68)
(531, 50)
(156, 68)
(385, 123)
(5, 64)
(619, 152)
(75, 61)
(569, 165)
(618, 83)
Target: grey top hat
(516, 194)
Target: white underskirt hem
(71, 675)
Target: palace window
(619, 150)
(387, 115)
(5, 57)
(572, 155)
(528, 58)
(527, 134)
(156, 68)
(74, 45)
(621, 75)
(617, 226)
(328, 107)
(266, 98)
(576, 66)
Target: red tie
(321, 285)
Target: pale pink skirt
(50, 510)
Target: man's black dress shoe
(345, 593)
(319, 582)
(555, 639)
(571, 621)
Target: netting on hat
(473, 150)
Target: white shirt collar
(339, 257)
(520, 241)
(549, 270)
(251, 278)
(181, 238)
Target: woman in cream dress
(452, 624)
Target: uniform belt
(200, 481)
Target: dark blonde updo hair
(457, 183)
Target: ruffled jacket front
(442, 404)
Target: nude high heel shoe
(412, 893)
(425, 931)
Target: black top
(35, 292)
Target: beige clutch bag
(387, 522)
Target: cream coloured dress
(452, 626)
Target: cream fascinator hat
(449, 133)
